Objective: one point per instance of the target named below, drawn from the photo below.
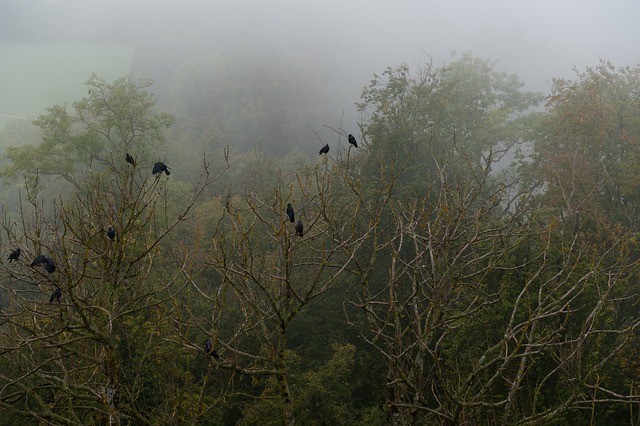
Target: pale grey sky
(537, 39)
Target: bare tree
(267, 273)
(83, 335)
(482, 310)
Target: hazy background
(343, 41)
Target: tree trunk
(283, 382)
(113, 386)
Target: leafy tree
(325, 395)
(115, 118)
(586, 151)
(418, 121)
(483, 304)
(265, 276)
(482, 313)
(84, 343)
(584, 168)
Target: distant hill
(34, 76)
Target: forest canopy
(466, 254)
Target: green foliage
(325, 394)
(586, 150)
(464, 112)
(98, 354)
(488, 304)
(115, 118)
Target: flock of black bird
(158, 168)
(291, 214)
(352, 141)
(48, 263)
(292, 218)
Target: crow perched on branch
(352, 140)
(160, 167)
(291, 213)
(39, 260)
(208, 349)
(48, 263)
(14, 255)
(130, 159)
(299, 228)
(56, 295)
(324, 149)
(111, 233)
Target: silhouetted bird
(299, 228)
(208, 349)
(160, 167)
(39, 260)
(352, 140)
(56, 295)
(49, 266)
(130, 159)
(324, 149)
(291, 213)
(14, 255)
(111, 233)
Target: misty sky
(537, 39)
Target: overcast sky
(537, 39)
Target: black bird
(130, 159)
(111, 233)
(48, 263)
(291, 213)
(56, 295)
(208, 349)
(14, 255)
(352, 140)
(324, 149)
(160, 167)
(39, 260)
(299, 228)
(49, 266)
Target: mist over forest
(322, 213)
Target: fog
(320, 53)
(335, 45)
(535, 39)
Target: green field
(34, 76)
